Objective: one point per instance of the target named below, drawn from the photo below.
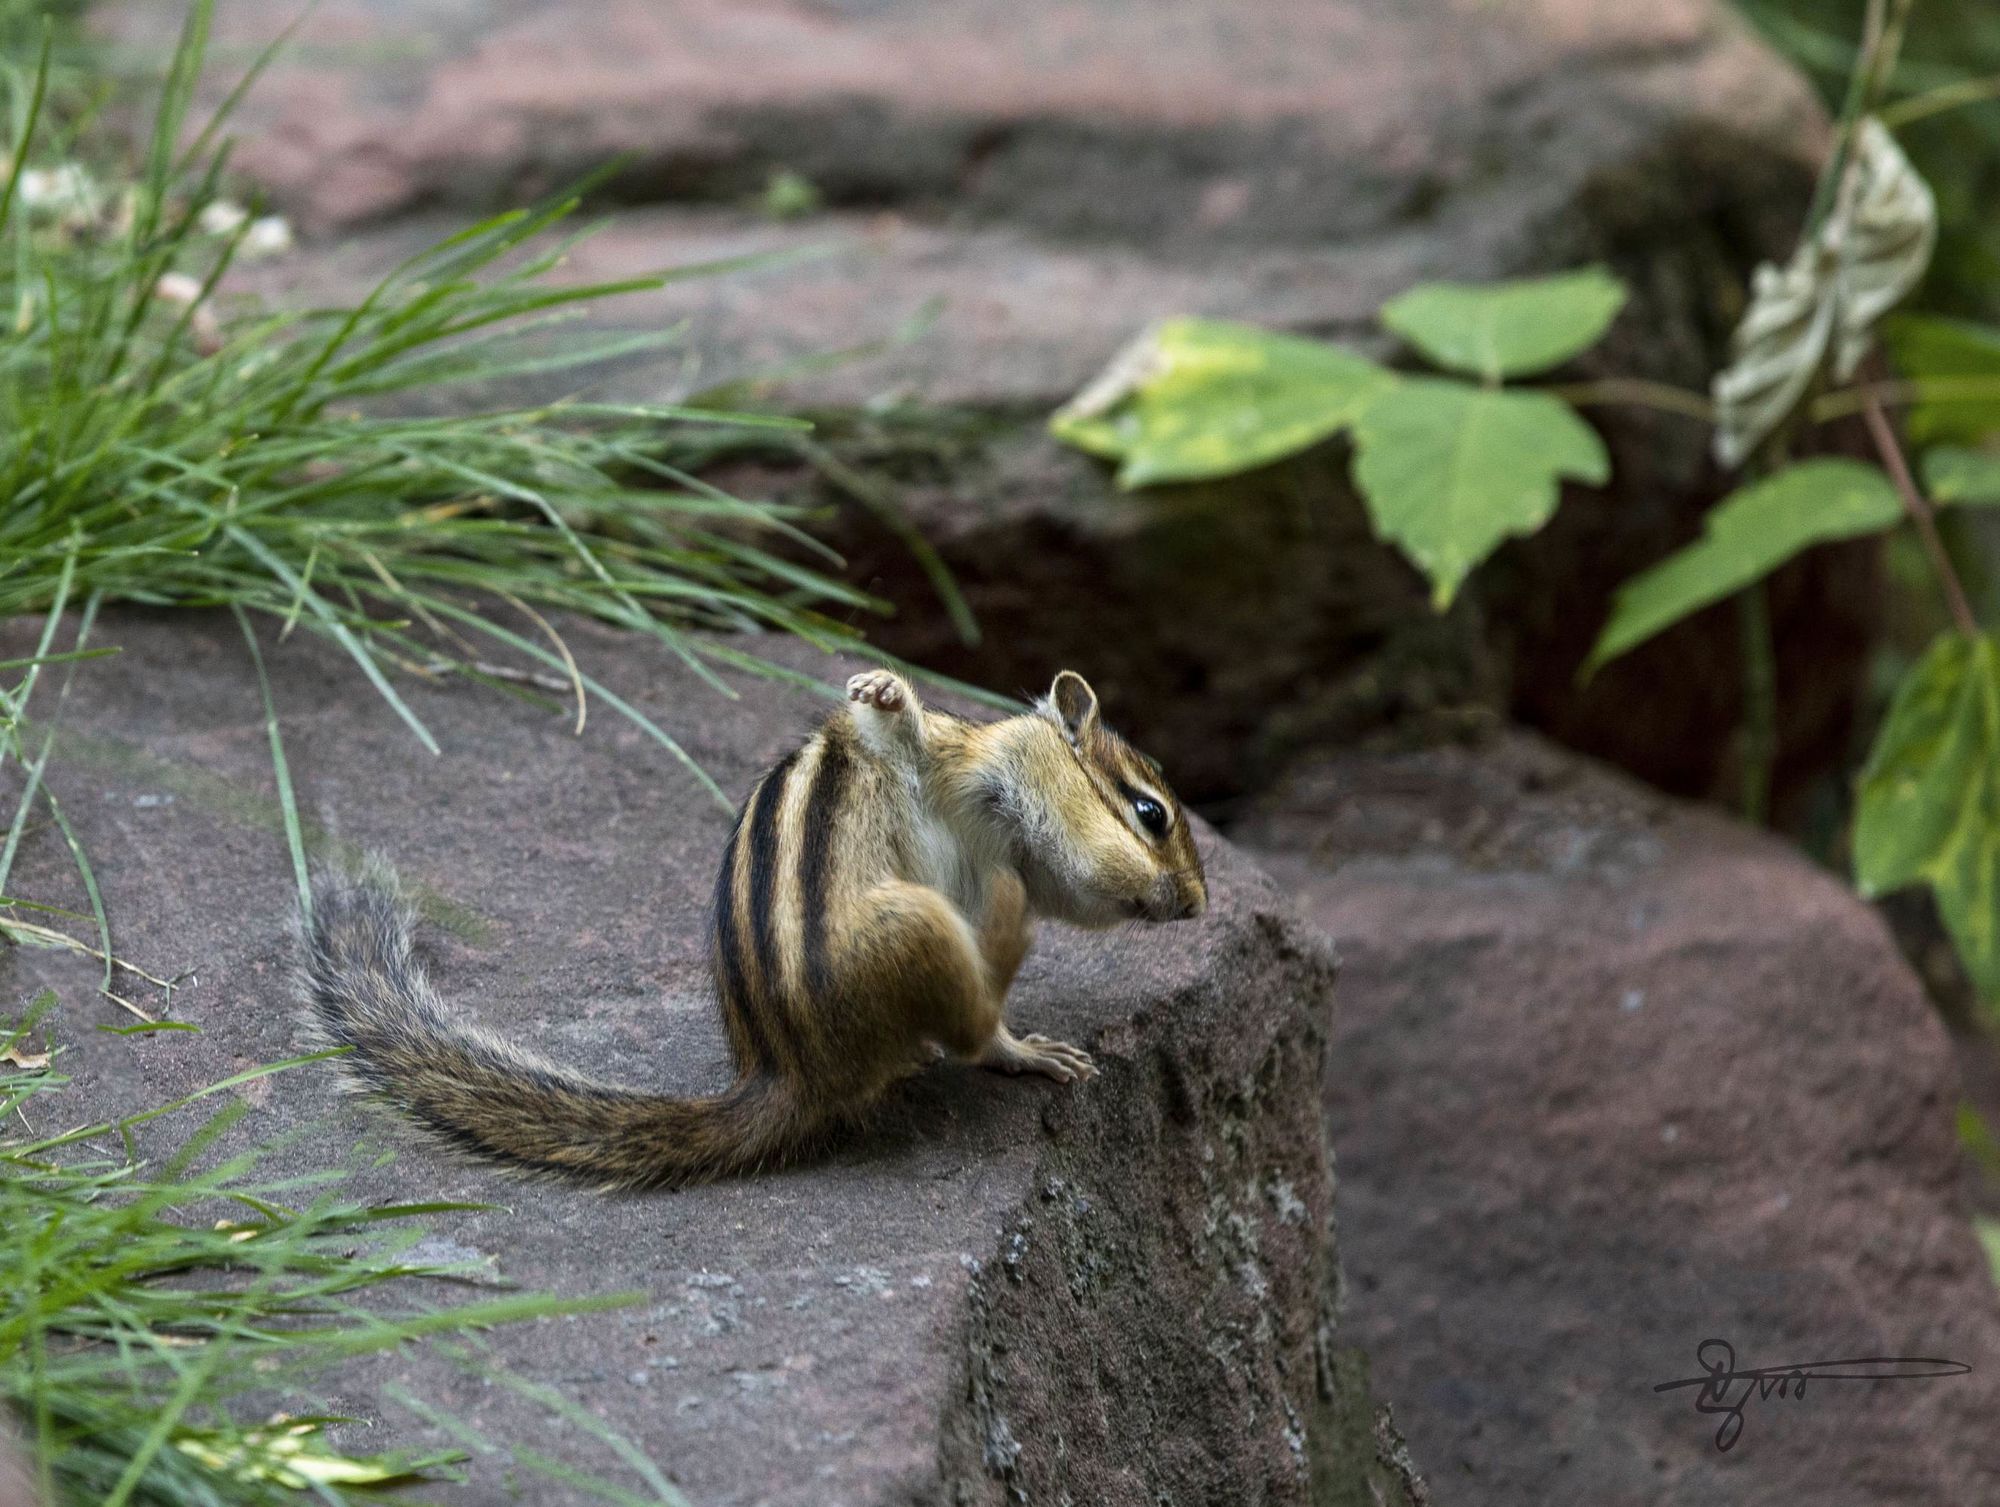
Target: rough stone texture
(1612, 1076)
(1004, 1288)
(16, 1490)
(1041, 181)
(1314, 122)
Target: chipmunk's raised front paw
(882, 689)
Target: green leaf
(1976, 1139)
(290, 1455)
(1962, 476)
(1448, 470)
(1929, 811)
(1947, 353)
(1747, 535)
(1988, 1231)
(1512, 329)
(1195, 398)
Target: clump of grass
(157, 448)
(166, 444)
(157, 1311)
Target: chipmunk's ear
(1074, 705)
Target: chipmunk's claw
(1039, 1054)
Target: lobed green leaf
(1197, 398)
(1449, 471)
(1507, 329)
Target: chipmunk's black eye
(1152, 815)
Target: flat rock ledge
(1612, 1076)
(1004, 1292)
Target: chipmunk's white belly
(940, 858)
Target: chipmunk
(873, 906)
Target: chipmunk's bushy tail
(367, 991)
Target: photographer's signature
(1717, 1358)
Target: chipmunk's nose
(1175, 899)
(1193, 898)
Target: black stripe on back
(764, 873)
(822, 802)
(729, 952)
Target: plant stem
(1922, 514)
(1845, 402)
(1639, 392)
(1972, 91)
(1851, 108)
(1881, 42)
(1760, 702)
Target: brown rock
(16, 1490)
(1612, 1077)
(1123, 1291)
(1055, 175)
(1311, 121)
(1016, 190)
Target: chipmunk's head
(1103, 839)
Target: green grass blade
(27, 131)
(89, 875)
(341, 635)
(603, 693)
(294, 837)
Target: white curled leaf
(1890, 232)
(1826, 300)
(1777, 347)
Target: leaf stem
(1637, 391)
(1921, 514)
(1760, 702)
(1972, 91)
(1845, 402)
(1881, 43)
